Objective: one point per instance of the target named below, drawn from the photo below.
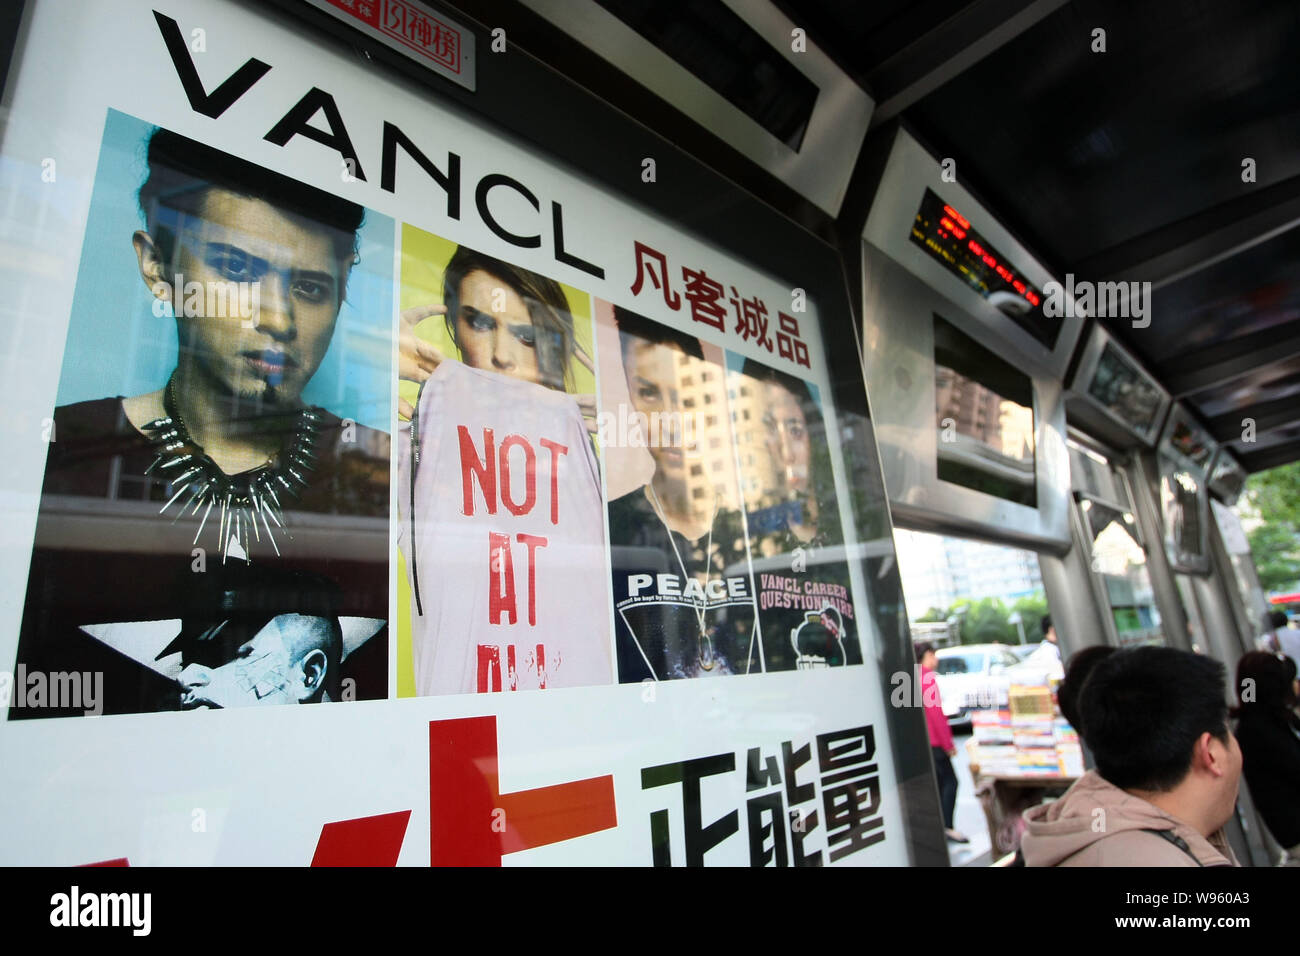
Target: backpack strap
(1169, 836)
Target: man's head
(655, 359)
(222, 233)
(1049, 629)
(291, 659)
(925, 655)
(1277, 619)
(507, 319)
(1076, 675)
(1157, 722)
(257, 636)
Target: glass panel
(1120, 561)
(961, 663)
(1183, 506)
(1124, 389)
(1250, 605)
(721, 49)
(984, 604)
(1195, 626)
(984, 416)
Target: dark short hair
(1271, 677)
(182, 170)
(1076, 675)
(548, 308)
(1045, 624)
(1143, 709)
(1277, 618)
(925, 647)
(635, 329)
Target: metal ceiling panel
(821, 167)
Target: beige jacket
(1097, 824)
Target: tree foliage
(1276, 550)
(1032, 611)
(1275, 545)
(984, 621)
(1275, 494)
(988, 620)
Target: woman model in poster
(502, 318)
(500, 596)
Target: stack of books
(1068, 752)
(1027, 738)
(991, 730)
(1033, 729)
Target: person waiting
(1270, 749)
(1168, 768)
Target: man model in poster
(228, 463)
(500, 504)
(253, 639)
(683, 597)
(806, 613)
(803, 488)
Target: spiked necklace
(245, 499)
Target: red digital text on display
(952, 225)
(705, 295)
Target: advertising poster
(501, 532)
(325, 391)
(803, 587)
(197, 429)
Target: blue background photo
(117, 346)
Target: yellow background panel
(424, 259)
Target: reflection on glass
(785, 460)
(1228, 478)
(1190, 442)
(1124, 390)
(1119, 559)
(683, 598)
(984, 418)
(807, 614)
(1251, 603)
(1195, 626)
(1180, 493)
